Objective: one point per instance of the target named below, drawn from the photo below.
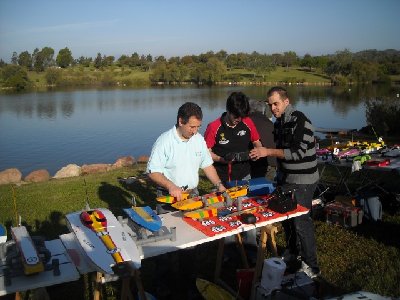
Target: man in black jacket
(265, 166)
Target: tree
(64, 58)
(308, 62)
(98, 61)
(221, 55)
(47, 54)
(15, 76)
(159, 72)
(108, 60)
(25, 60)
(289, 58)
(14, 58)
(123, 60)
(216, 69)
(187, 60)
(84, 61)
(53, 76)
(134, 60)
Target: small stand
(126, 293)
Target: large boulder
(95, 168)
(125, 161)
(70, 170)
(143, 159)
(38, 176)
(8, 176)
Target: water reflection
(52, 129)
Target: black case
(283, 199)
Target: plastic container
(372, 208)
(272, 273)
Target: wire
(15, 205)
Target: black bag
(283, 200)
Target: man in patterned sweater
(297, 164)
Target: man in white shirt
(174, 165)
(180, 152)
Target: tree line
(342, 67)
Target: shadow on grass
(51, 228)
(144, 192)
(116, 197)
(382, 232)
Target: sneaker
(310, 272)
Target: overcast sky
(178, 28)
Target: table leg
(260, 259)
(218, 264)
(97, 285)
(239, 243)
(139, 285)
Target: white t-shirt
(179, 160)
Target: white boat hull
(100, 256)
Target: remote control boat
(103, 239)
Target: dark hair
(187, 110)
(283, 94)
(238, 104)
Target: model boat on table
(145, 217)
(198, 202)
(103, 239)
(31, 261)
(210, 199)
(171, 199)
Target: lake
(52, 129)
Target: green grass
(281, 74)
(364, 258)
(126, 77)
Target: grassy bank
(365, 258)
(127, 77)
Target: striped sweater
(294, 133)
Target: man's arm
(259, 152)
(257, 144)
(212, 175)
(217, 158)
(159, 179)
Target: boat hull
(108, 248)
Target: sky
(185, 27)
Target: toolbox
(344, 215)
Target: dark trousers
(299, 231)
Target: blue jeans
(299, 231)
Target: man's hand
(257, 153)
(176, 192)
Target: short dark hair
(238, 104)
(187, 110)
(283, 94)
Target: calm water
(52, 129)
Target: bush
(15, 77)
(384, 116)
(53, 76)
